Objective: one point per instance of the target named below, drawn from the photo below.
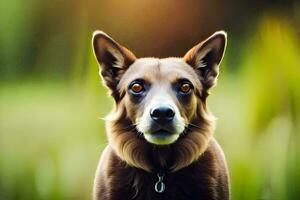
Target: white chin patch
(161, 138)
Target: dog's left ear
(206, 57)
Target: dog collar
(160, 185)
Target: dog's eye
(136, 88)
(185, 88)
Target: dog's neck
(135, 151)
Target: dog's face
(160, 96)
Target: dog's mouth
(161, 134)
(161, 137)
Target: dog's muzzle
(161, 124)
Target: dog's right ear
(113, 60)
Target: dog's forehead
(158, 70)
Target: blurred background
(52, 100)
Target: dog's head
(162, 100)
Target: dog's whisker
(185, 131)
(133, 126)
(193, 125)
(101, 118)
(101, 145)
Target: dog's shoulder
(217, 152)
(108, 162)
(101, 172)
(219, 165)
(114, 177)
(104, 173)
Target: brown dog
(160, 132)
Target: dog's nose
(162, 115)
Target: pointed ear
(206, 57)
(113, 60)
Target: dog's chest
(190, 183)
